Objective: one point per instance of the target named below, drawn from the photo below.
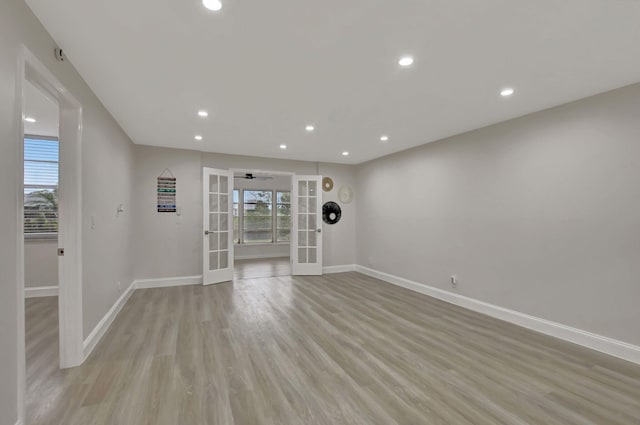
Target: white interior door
(306, 247)
(218, 226)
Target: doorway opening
(237, 218)
(41, 153)
(262, 220)
(40, 223)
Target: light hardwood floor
(338, 349)
(42, 354)
(267, 267)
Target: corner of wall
(103, 326)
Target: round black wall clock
(331, 213)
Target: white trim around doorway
(31, 69)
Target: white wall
(170, 246)
(107, 166)
(540, 214)
(340, 238)
(167, 245)
(10, 36)
(107, 182)
(40, 262)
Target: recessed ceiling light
(29, 119)
(214, 5)
(345, 153)
(384, 138)
(198, 137)
(309, 128)
(507, 92)
(406, 61)
(283, 146)
(203, 114)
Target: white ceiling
(266, 69)
(43, 110)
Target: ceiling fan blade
(250, 176)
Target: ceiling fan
(250, 176)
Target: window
(258, 216)
(261, 216)
(283, 223)
(41, 185)
(236, 216)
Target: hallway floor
(263, 267)
(44, 378)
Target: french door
(218, 226)
(306, 247)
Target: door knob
(319, 230)
(206, 232)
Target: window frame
(48, 236)
(240, 205)
(271, 207)
(274, 217)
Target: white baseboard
(167, 282)
(103, 326)
(261, 256)
(339, 269)
(590, 340)
(41, 291)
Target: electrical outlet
(454, 281)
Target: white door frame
(69, 217)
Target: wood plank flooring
(267, 267)
(42, 353)
(337, 349)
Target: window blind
(41, 164)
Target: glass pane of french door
(308, 240)
(218, 255)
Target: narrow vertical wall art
(167, 192)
